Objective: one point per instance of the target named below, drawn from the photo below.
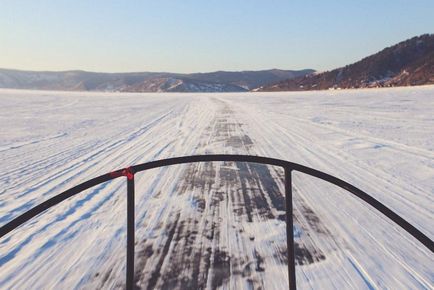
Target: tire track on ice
(70, 173)
(61, 230)
(207, 226)
(313, 154)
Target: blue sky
(206, 35)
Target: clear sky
(203, 35)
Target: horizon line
(150, 71)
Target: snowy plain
(219, 225)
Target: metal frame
(286, 165)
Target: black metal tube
(424, 239)
(21, 219)
(130, 233)
(290, 230)
(288, 166)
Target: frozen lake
(217, 225)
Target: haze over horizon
(108, 36)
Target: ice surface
(217, 225)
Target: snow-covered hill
(408, 63)
(217, 225)
(220, 81)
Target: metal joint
(128, 172)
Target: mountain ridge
(79, 80)
(408, 63)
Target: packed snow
(217, 225)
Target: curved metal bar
(212, 158)
(421, 237)
(19, 220)
(409, 228)
(287, 166)
(427, 242)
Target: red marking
(115, 174)
(128, 172)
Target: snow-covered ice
(217, 225)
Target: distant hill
(221, 81)
(250, 79)
(407, 63)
